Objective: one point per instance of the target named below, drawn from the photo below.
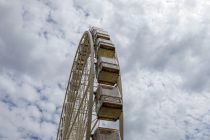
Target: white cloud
(162, 110)
(163, 48)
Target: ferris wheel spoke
(76, 117)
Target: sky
(163, 49)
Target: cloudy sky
(164, 53)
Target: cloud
(163, 48)
(162, 110)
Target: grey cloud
(163, 38)
(24, 52)
(160, 112)
(176, 56)
(163, 51)
(168, 50)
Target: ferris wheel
(94, 91)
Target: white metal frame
(78, 118)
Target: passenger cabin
(106, 134)
(104, 48)
(99, 33)
(107, 70)
(108, 102)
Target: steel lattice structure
(78, 117)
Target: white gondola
(108, 103)
(99, 33)
(106, 134)
(104, 48)
(107, 70)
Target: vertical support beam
(121, 119)
(90, 104)
(121, 126)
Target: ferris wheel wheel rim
(86, 33)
